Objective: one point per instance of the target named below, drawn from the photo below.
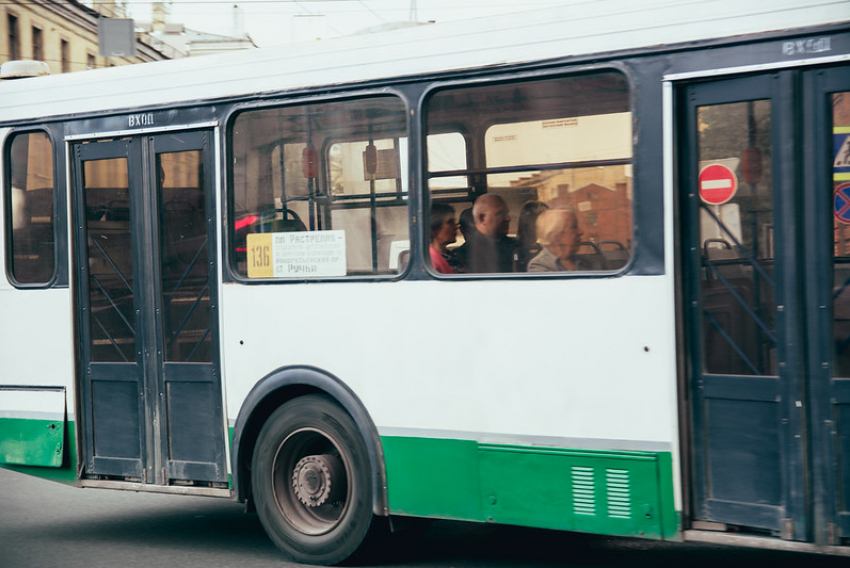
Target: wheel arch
(283, 385)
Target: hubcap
(318, 479)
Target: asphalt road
(47, 525)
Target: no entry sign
(717, 184)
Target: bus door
(766, 279)
(150, 380)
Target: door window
(841, 231)
(736, 226)
(183, 256)
(110, 261)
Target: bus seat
(290, 223)
(616, 254)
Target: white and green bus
(218, 276)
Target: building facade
(63, 33)
(176, 40)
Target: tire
(312, 481)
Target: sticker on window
(297, 254)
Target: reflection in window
(562, 143)
(319, 190)
(29, 199)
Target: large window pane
(29, 201)
(511, 158)
(320, 190)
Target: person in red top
(443, 233)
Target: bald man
(491, 249)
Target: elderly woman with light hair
(559, 234)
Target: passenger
(527, 233)
(491, 249)
(443, 233)
(559, 233)
(466, 223)
(459, 257)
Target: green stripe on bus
(603, 492)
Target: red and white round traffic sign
(717, 184)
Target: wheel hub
(318, 480)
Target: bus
(241, 276)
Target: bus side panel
(37, 428)
(602, 492)
(429, 477)
(568, 374)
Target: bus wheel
(311, 481)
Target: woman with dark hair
(443, 233)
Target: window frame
(37, 43)
(64, 55)
(13, 35)
(57, 230)
(474, 80)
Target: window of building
(319, 190)
(37, 44)
(29, 204)
(65, 55)
(90, 61)
(551, 155)
(14, 37)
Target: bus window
(29, 202)
(319, 190)
(556, 143)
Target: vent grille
(584, 494)
(619, 493)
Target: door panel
(747, 456)
(834, 88)
(827, 269)
(767, 292)
(113, 387)
(151, 381)
(193, 422)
